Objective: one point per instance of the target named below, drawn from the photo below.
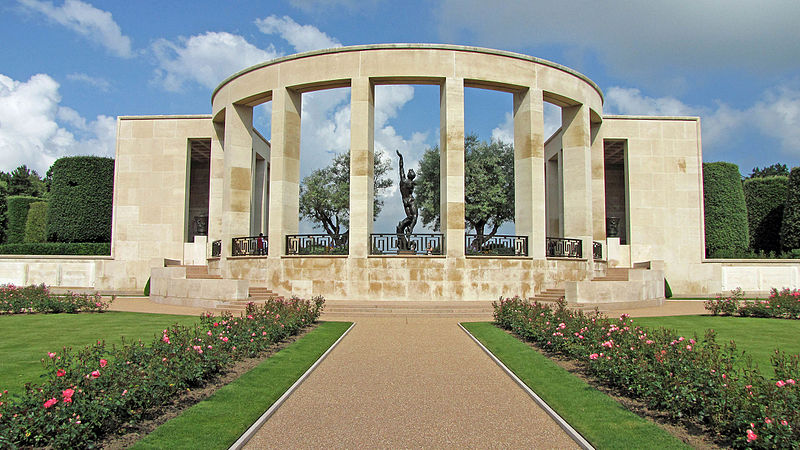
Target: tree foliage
(488, 186)
(3, 210)
(81, 193)
(725, 210)
(325, 194)
(18, 206)
(765, 197)
(24, 181)
(776, 169)
(790, 228)
(36, 223)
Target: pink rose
(50, 402)
(751, 436)
(593, 356)
(95, 374)
(103, 363)
(780, 383)
(60, 372)
(51, 355)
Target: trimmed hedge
(36, 225)
(18, 206)
(81, 193)
(57, 248)
(725, 209)
(3, 208)
(790, 228)
(765, 198)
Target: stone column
(598, 185)
(237, 174)
(362, 169)
(451, 165)
(284, 184)
(529, 180)
(215, 184)
(577, 169)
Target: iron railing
(418, 244)
(316, 244)
(249, 246)
(564, 248)
(216, 249)
(597, 250)
(497, 245)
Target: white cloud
(97, 25)
(776, 114)
(638, 38)
(33, 126)
(206, 59)
(302, 38)
(99, 83)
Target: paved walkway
(416, 382)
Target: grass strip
(599, 418)
(757, 337)
(26, 338)
(218, 421)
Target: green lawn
(600, 419)
(26, 339)
(757, 337)
(218, 421)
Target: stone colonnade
(531, 81)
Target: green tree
(790, 228)
(488, 186)
(24, 181)
(325, 195)
(727, 233)
(775, 169)
(765, 197)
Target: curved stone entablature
(405, 64)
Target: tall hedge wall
(725, 210)
(3, 208)
(765, 198)
(36, 224)
(17, 215)
(81, 192)
(790, 228)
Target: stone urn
(201, 225)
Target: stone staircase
(614, 274)
(548, 296)
(467, 310)
(254, 294)
(200, 273)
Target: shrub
(3, 210)
(17, 215)
(765, 197)
(726, 306)
(95, 390)
(147, 288)
(81, 192)
(790, 227)
(36, 224)
(725, 209)
(57, 248)
(687, 378)
(667, 289)
(38, 299)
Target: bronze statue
(406, 226)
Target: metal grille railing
(564, 248)
(418, 244)
(216, 249)
(249, 246)
(316, 244)
(597, 250)
(497, 245)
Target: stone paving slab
(409, 382)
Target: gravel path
(409, 382)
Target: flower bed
(691, 379)
(783, 304)
(92, 391)
(38, 299)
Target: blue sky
(68, 68)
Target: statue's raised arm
(402, 175)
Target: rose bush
(691, 379)
(783, 304)
(39, 299)
(97, 389)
